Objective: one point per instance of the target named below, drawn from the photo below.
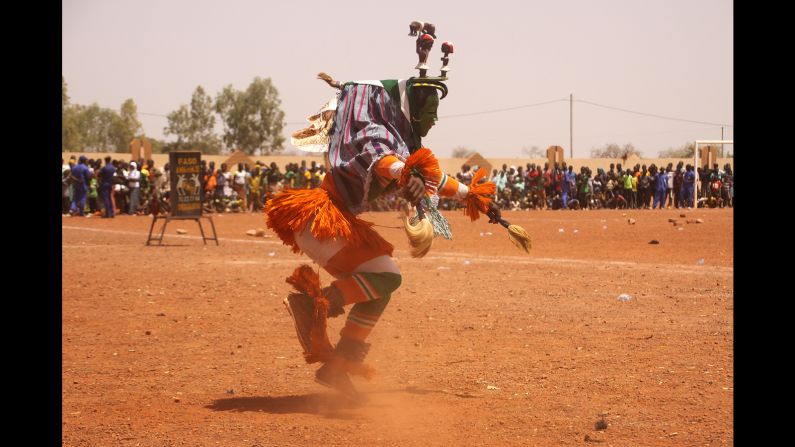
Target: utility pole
(571, 125)
(721, 138)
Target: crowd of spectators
(91, 188)
(639, 187)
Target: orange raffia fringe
(427, 165)
(306, 281)
(290, 211)
(478, 197)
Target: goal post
(696, 165)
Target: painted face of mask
(427, 117)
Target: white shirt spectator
(240, 178)
(228, 183)
(134, 176)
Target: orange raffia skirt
(289, 212)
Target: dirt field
(189, 345)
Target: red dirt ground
(189, 345)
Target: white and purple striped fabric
(368, 125)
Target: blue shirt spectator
(81, 175)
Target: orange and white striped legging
(366, 277)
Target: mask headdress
(416, 86)
(426, 35)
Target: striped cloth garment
(370, 123)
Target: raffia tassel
(479, 196)
(519, 237)
(424, 162)
(305, 280)
(420, 236)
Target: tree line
(252, 121)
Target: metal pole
(696, 182)
(721, 137)
(571, 125)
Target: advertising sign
(186, 191)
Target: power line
(651, 114)
(503, 110)
(506, 109)
(691, 129)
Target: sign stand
(186, 195)
(170, 218)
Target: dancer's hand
(494, 213)
(414, 190)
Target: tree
(70, 136)
(462, 152)
(179, 125)
(64, 96)
(125, 126)
(252, 119)
(97, 128)
(533, 152)
(194, 125)
(687, 150)
(613, 150)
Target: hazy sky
(672, 58)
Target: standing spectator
(715, 190)
(688, 186)
(79, 178)
(541, 187)
(703, 179)
(93, 195)
(254, 192)
(494, 178)
(300, 175)
(274, 177)
(611, 174)
(644, 186)
(678, 179)
(661, 184)
(669, 185)
(66, 186)
(203, 175)
(548, 186)
(598, 186)
(227, 175)
(210, 183)
(239, 185)
(307, 175)
(134, 183)
(569, 186)
(145, 188)
(317, 171)
(728, 186)
(628, 193)
(586, 190)
(220, 187)
(289, 176)
(465, 176)
(558, 178)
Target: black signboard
(186, 191)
